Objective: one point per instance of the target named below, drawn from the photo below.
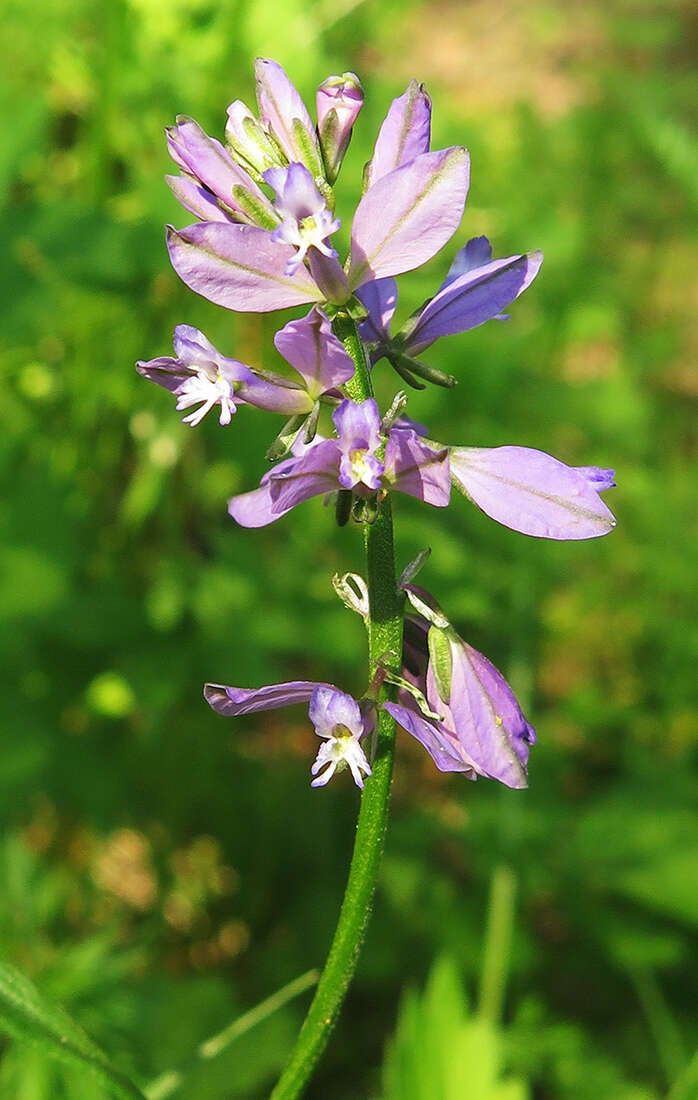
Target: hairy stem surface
(385, 646)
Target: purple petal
(405, 218)
(309, 476)
(329, 275)
(476, 253)
(472, 298)
(311, 347)
(211, 163)
(433, 736)
(233, 701)
(358, 426)
(197, 200)
(195, 349)
(254, 509)
(380, 299)
(600, 479)
(532, 492)
(239, 267)
(404, 134)
(485, 717)
(330, 708)
(414, 468)
(279, 397)
(279, 105)
(164, 371)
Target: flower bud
(339, 100)
(250, 145)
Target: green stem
(385, 645)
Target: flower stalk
(384, 625)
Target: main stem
(385, 646)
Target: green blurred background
(162, 869)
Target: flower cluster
(266, 214)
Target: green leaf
(440, 1049)
(28, 1017)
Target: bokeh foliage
(162, 869)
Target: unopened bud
(250, 145)
(339, 100)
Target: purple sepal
(476, 253)
(329, 275)
(408, 215)
(482, 729)
(476, 295)
(234, 701)
(380, 299)
(485, 716)
(211, 164)
(314, 473)
(311, 347)
(412, 467)
(442, 746)
(239, 267)
(279, 106)
(197, 200)
(404, 134)
(534, 493)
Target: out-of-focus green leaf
(29, 1017)
(439, 1049)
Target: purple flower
(213, 186)
(306, 221)
(351, 461)
(532, 492)
(475, 290)
(338, 100)
(412, 207)
(338, 719)
(482, 731)
(200, 375)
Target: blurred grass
(163, 870)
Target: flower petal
(197, 199)
(473, 297)
(233, 701)
(309, 476)
(239, 267)
(432, 736)
(254, 509)
(484, 716)
(532, 492)
(414, 468)
(476, 253)
(330, 708)
(380, 299)
(279, 106)
(408, 215)
(311, 347)
(404, 134)
(210, 162)
(358, 425)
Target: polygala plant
(265, 214)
